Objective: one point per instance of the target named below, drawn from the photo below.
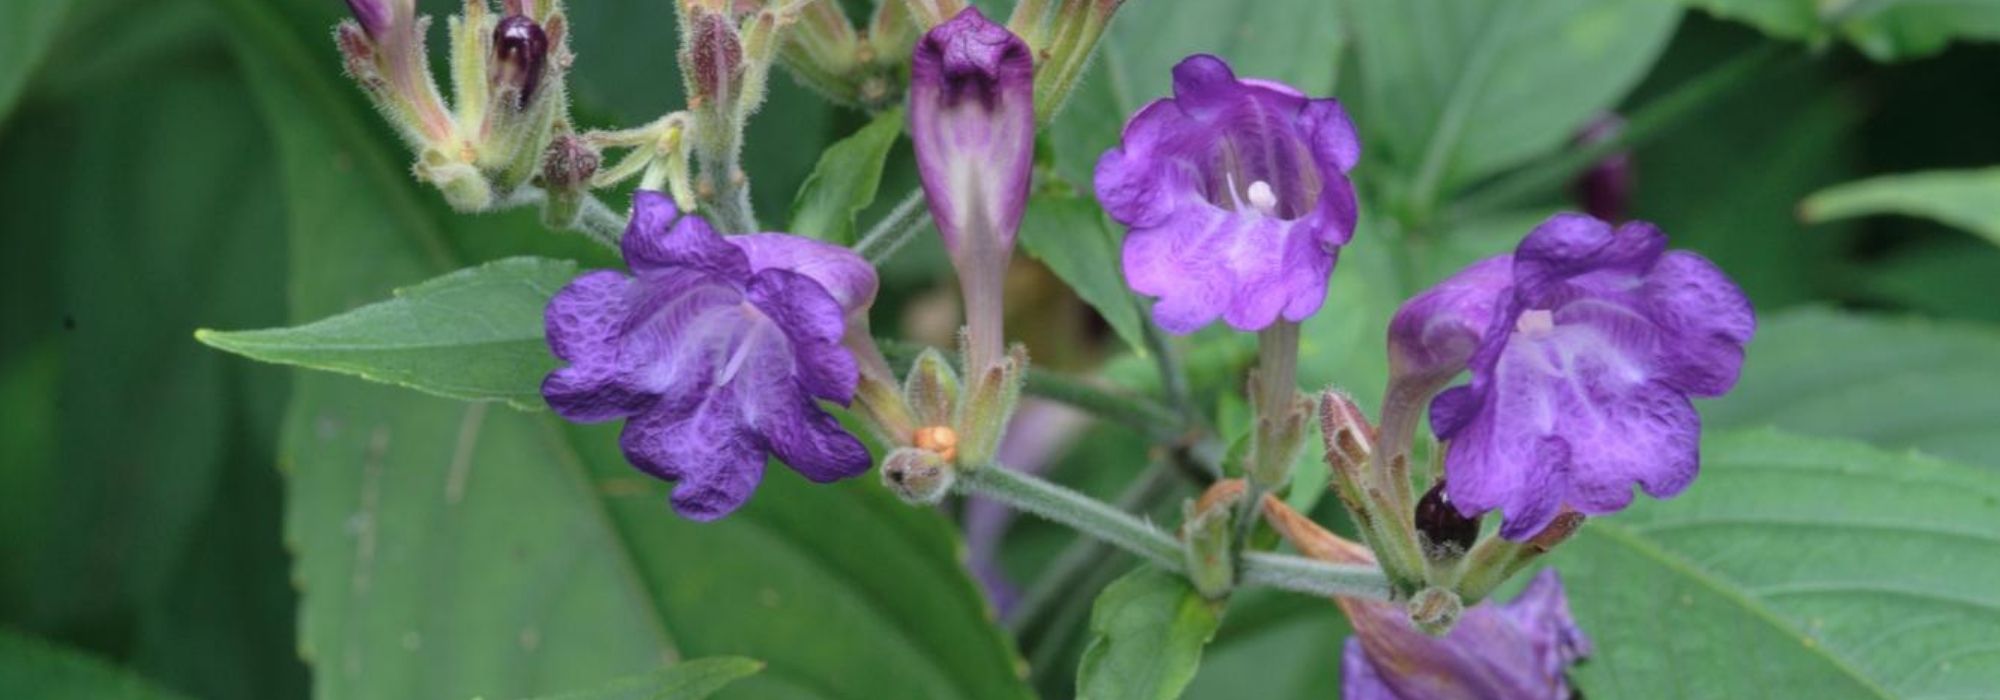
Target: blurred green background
(169, 165)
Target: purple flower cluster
(1584, 347)
(1519, 649)
(1236, 194)
(715, 351)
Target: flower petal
(651, 245)
(812, 325)
(1709, 315)
(716, 458)
(845, 275)
(582, 321)
(972, 123)
(1358, 678)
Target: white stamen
(1262, 198)
(1535, 323)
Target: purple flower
(972, 122)
(1236, 194)
(1591, 340)
(1518, 649)
(714, 350)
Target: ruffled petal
(1570, 245)
(716, 459)
(583, 320)
(812, 325)
(845, 275)
(1435, 333)
(811, 442)
(689, 244)
(1708, 315)
(594, 393)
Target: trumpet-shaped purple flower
(1518, 649)
(1237, 197)
(1590, 341)
(714, 351)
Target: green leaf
(27, 29)
(1967, 199)
(845, 181)
(1886, 30)
(445, 549)
(1148, 629)
(688, 680)
(1896, 383)
(1454, 90)
(471, 334)
(1797, 125)
(1295, 41)
(1274, 645)
(32, 668)
(1828, 569)
(1069, 235)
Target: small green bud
(986, 407)
(918, 476)
(1208, 539)
(931, 389)
(1435, 610)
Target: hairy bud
(1207, 538)
(931, 390)
(918, 476)
(714, 57)
(374, 15)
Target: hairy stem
(1120, 529)
(888, 235)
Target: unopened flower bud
(1435, 610)
(712, 58)
(986, 406)
(1605, 190)
(918, 476)
(520, 56)
(931, 389)
(1446, 533)
(567, 167)
(1207, 538)
(373, 15)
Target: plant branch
(595, 220)
(1118, 528)
(888, 235)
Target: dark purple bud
(520, 52)
(715, 55)
(1604, 190)
(1442, 525)
(374, 15)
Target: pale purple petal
(1581, 377)
(1236, 198)
(844, 274)
(1516, 650)
(811, 322)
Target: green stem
(596, 221)
(1083, 513)
(1313, 577)
(1084, 556)
(1645, 123)
(1118, 528)
(888, 235)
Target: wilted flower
(972, 123)
(1591, 340)
(1517, 649)
(715, 350)
(1237, 197)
